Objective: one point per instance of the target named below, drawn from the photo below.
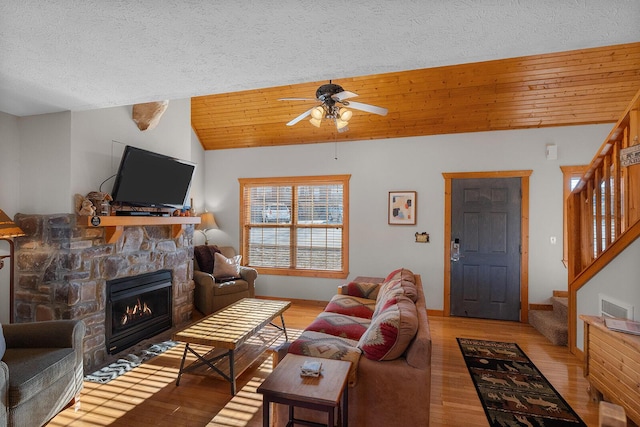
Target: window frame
(294, 182)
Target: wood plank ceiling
(579, 87)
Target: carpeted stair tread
(560, 307)
(549, 325)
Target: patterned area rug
(512, 390)
(127, 363)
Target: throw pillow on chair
(225, 269)
(204, 255)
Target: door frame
(524, 231)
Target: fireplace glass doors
(138, 307)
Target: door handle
(455, 250)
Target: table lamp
(207, 222)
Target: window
(296, 226)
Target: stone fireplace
(63, 266)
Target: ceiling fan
(333, 100)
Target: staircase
(552, 321)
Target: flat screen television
(148, 179)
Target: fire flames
(138, 311)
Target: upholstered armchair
(41, 371)
(219, 278)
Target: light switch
(552, 240)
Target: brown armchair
(213, 294)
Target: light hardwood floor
(148, 394)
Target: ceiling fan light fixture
(333, 98)
(317, 113)
(315, 122)
(342, 125)
(345, 114)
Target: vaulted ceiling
(568, 88)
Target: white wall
(34, 173)
(9, 194)
(618, 280)
(98, 139)
(67, 153)
(9, 163)
(45, 163)
(380, 166)
(198, 183)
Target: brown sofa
(381, 326)
(212, 294)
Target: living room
(50, 157)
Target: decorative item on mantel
(9, 230)
(187, 211)
(95, 203)
(101, 201)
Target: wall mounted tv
(147, 179)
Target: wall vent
(610, 307)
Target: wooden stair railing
(603, 210)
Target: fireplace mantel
(114, 225)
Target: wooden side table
(612, 365)
(324, 393)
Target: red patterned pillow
(395, 274)
(363, 289)
(339, 325)
(399, 279)
(391, 331)
(388, 290)
(351, 306)
(388, 286)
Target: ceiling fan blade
(300, 117)
(297, 99)
(366, 107)
(345, 94)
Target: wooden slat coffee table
(286, 386)
(239, 334)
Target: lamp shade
(207, 222)
(315, 122)
(341, 124)
(345, 114)
(317, 113)
(8, 228)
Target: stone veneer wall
(62, 268)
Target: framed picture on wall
(402, 207)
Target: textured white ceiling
(61, 55)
